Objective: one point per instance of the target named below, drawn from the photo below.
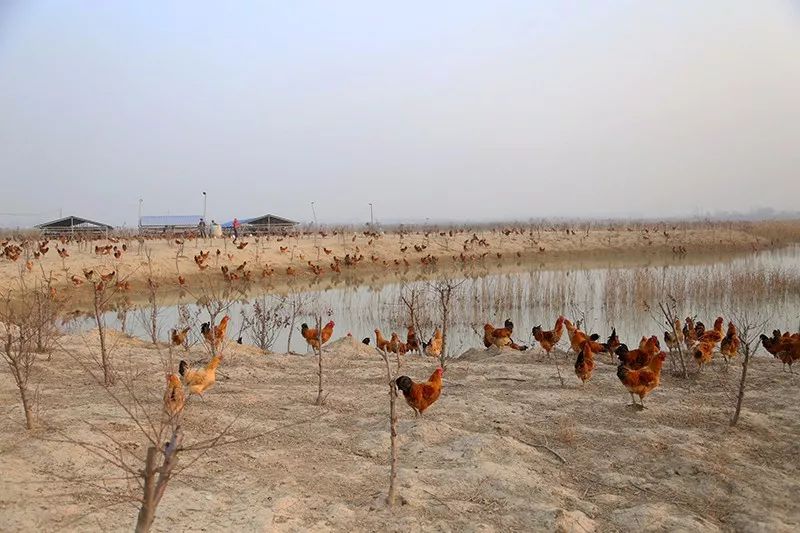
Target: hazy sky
(447, 110)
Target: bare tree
(264, 320)
(390, 498)
(297, 304)
(749, 328)
(23, 329)
(445, 290)
(670, 314)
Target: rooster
(174, 398)
(584, 364)
(611, 345)
(420, 396)
(642, 381)
(201, 379)
(316, 339)
(715, 335)
(729, 348)
(549, 339)
(216, 335)
(578, 337)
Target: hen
(178, 337)
(584, 364)
(380, 341)
(174, 398)
(199, 380)
(420, 396)
(433, 348)
(501, 337)
(412, 344)
(641, 357)
(729, 348)
(642, 382)
(715, 335)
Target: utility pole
(314, 213)
(205, 197)
(371, 217)
(140, 212)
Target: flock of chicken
(639, 370)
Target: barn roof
(263, 220)
(169, 220)
(73, 222)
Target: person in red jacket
(236, 225)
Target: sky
(447, 110)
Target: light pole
(371, 217)
(314, 213)
(205, 197)
(140, 212)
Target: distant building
(73, 224)
(168, 223)
(263, 224)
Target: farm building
(73, 224)
(263, 224)
(168, 223)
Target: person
(202, 227)
(236, 225)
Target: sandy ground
(467, 465)
(163, 260)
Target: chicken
(789, 351)
(420, 396)
(433, 347)
(174, 397)
(639, 358)
(316, 339)
(642, 381)
(611, 345)
(501, 337)
(395, 346)
(578, 337)
(199, 380)
(703, 353)
(178, 337)
(549, 339)
(729, 348)
(584, 364)
(380, 341)
(674, 339)
(216, 335)
(412, 344)
(715, 335)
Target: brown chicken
(316, 339)
(501, 337)
(642, 381)
(549, 339)
(639, 358)
(584, 364)
(380, 341)
(715, 335)
(395, 345)
(433, 348)
(703, 353)
(199, 380)
(412, 344)
(216, 334)
(178, 337)
(789, 352)
(729, 348)
(689, 333)
(174, 397)
(420, 396)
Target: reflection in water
(626, 298)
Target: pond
(764, 284)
